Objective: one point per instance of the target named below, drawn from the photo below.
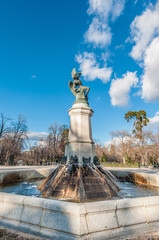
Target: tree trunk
(124, 160)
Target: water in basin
(129, 190)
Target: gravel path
(8, 234)
(148, 236)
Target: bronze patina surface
(78, 183)
(77, 88)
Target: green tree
(139, 121)
(103, 158)
(65, 134)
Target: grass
(114, 164)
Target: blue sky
(115, 43)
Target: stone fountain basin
(111, 219)
(136, 175)
(54, 219)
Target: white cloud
(91, 70)
(117, 8)
(150, 79)
(145, 34)
(33, 76)
(120, 89)
(35, 136)
(143, 29)
(117, 141)
(98, 34)
(41, 143)
(106, 8)
(154, 120)
(100, 7)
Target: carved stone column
(80, 142)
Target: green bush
(103, 158)
(127, 159)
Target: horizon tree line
(138, 146)
(15, 145)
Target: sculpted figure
(76, 87)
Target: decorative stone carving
(86, 161)
(96, 161)
(73, 160)
(63, 160)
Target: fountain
(80, 176)
(81, 179)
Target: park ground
(8, 234)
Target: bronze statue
(76, 87)
(79, 177)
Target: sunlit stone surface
(81, 177)
(79, 183)
(80, 142)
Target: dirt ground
(148, 236)
(8, 234)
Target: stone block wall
(11, 176)
(112, 219)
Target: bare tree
(4, 128)
(121, 139)
(55, 142)
(152, 148)
(14, 141)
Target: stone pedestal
(80, 142)
(80, 176)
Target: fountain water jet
(80, 176)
